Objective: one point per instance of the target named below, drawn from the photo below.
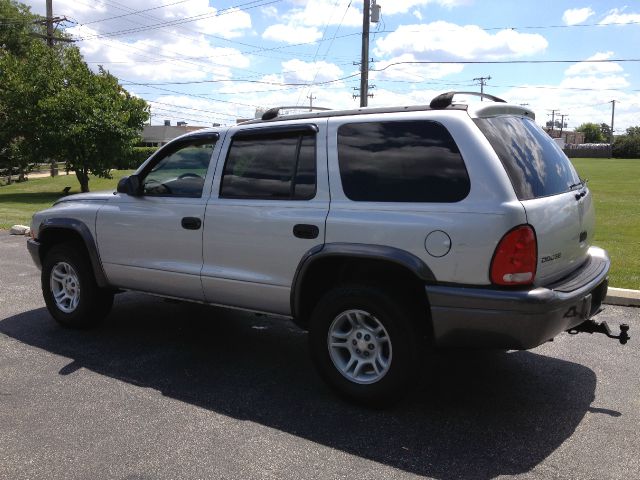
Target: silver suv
(383, 231)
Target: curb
(623, 297)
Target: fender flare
(359, 251)
(79, 227)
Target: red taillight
(515, 259)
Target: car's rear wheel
(69, 287)
(365, 344)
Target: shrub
(626, 146)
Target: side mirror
(129, 185)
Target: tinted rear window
(281, 166)
(404, 161)
(535, 164)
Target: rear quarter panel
(475, 224)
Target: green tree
(606, 131)
(633, 131)
(17, 36)
(592, 133)
(18, 27)
(52, 106)
(627, 146)
(92, 120)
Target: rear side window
(401, 161)
(535, 164)
(278, 167)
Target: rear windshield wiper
(581, 183)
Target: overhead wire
(180, 21)
(244, 80)
(137, 12)
(326, 53)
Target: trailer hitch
(591, 326)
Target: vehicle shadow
(479, 415)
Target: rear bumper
(518, 319)
(34, 249)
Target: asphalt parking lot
(182, 391)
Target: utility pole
(370, 14)
(553, 119)
(50, 23)
(562, 122)
(483, 82)
(613, 111)
(311, 99)
(364, 57)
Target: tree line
(53, 107)
(626, 145)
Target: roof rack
(446, 99)
(273, 112)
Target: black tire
(91, 304)
(406, 344)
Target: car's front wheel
(69, 287)
(365, 344)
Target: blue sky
(213, 61)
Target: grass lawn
(615, 185)
(19, 201)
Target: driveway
(182, 391)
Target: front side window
(401, 161)
(181, 170)
(278, 167)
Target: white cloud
(153, 59)
(446, 41)
(176, 52)
(618, 16)
(607, 82)
(269, 11)
(581, 106)
(584, 94)
(403, 6)
(291, 33)
(303, 24)
(319, 13)
(417, 14)
(300, 71)
(574, 16)
(192, 17)
(586, 68)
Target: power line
(330, 43)
(500, 62)
(257, 50)
(190, 94)
(235, 80)
(179, 21)
(188, 108)
(135, 12)
(548, 87)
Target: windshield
(534, 162)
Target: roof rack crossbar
(445, 99)
(273, 112)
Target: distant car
(383, 231)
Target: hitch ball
(624, 333)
